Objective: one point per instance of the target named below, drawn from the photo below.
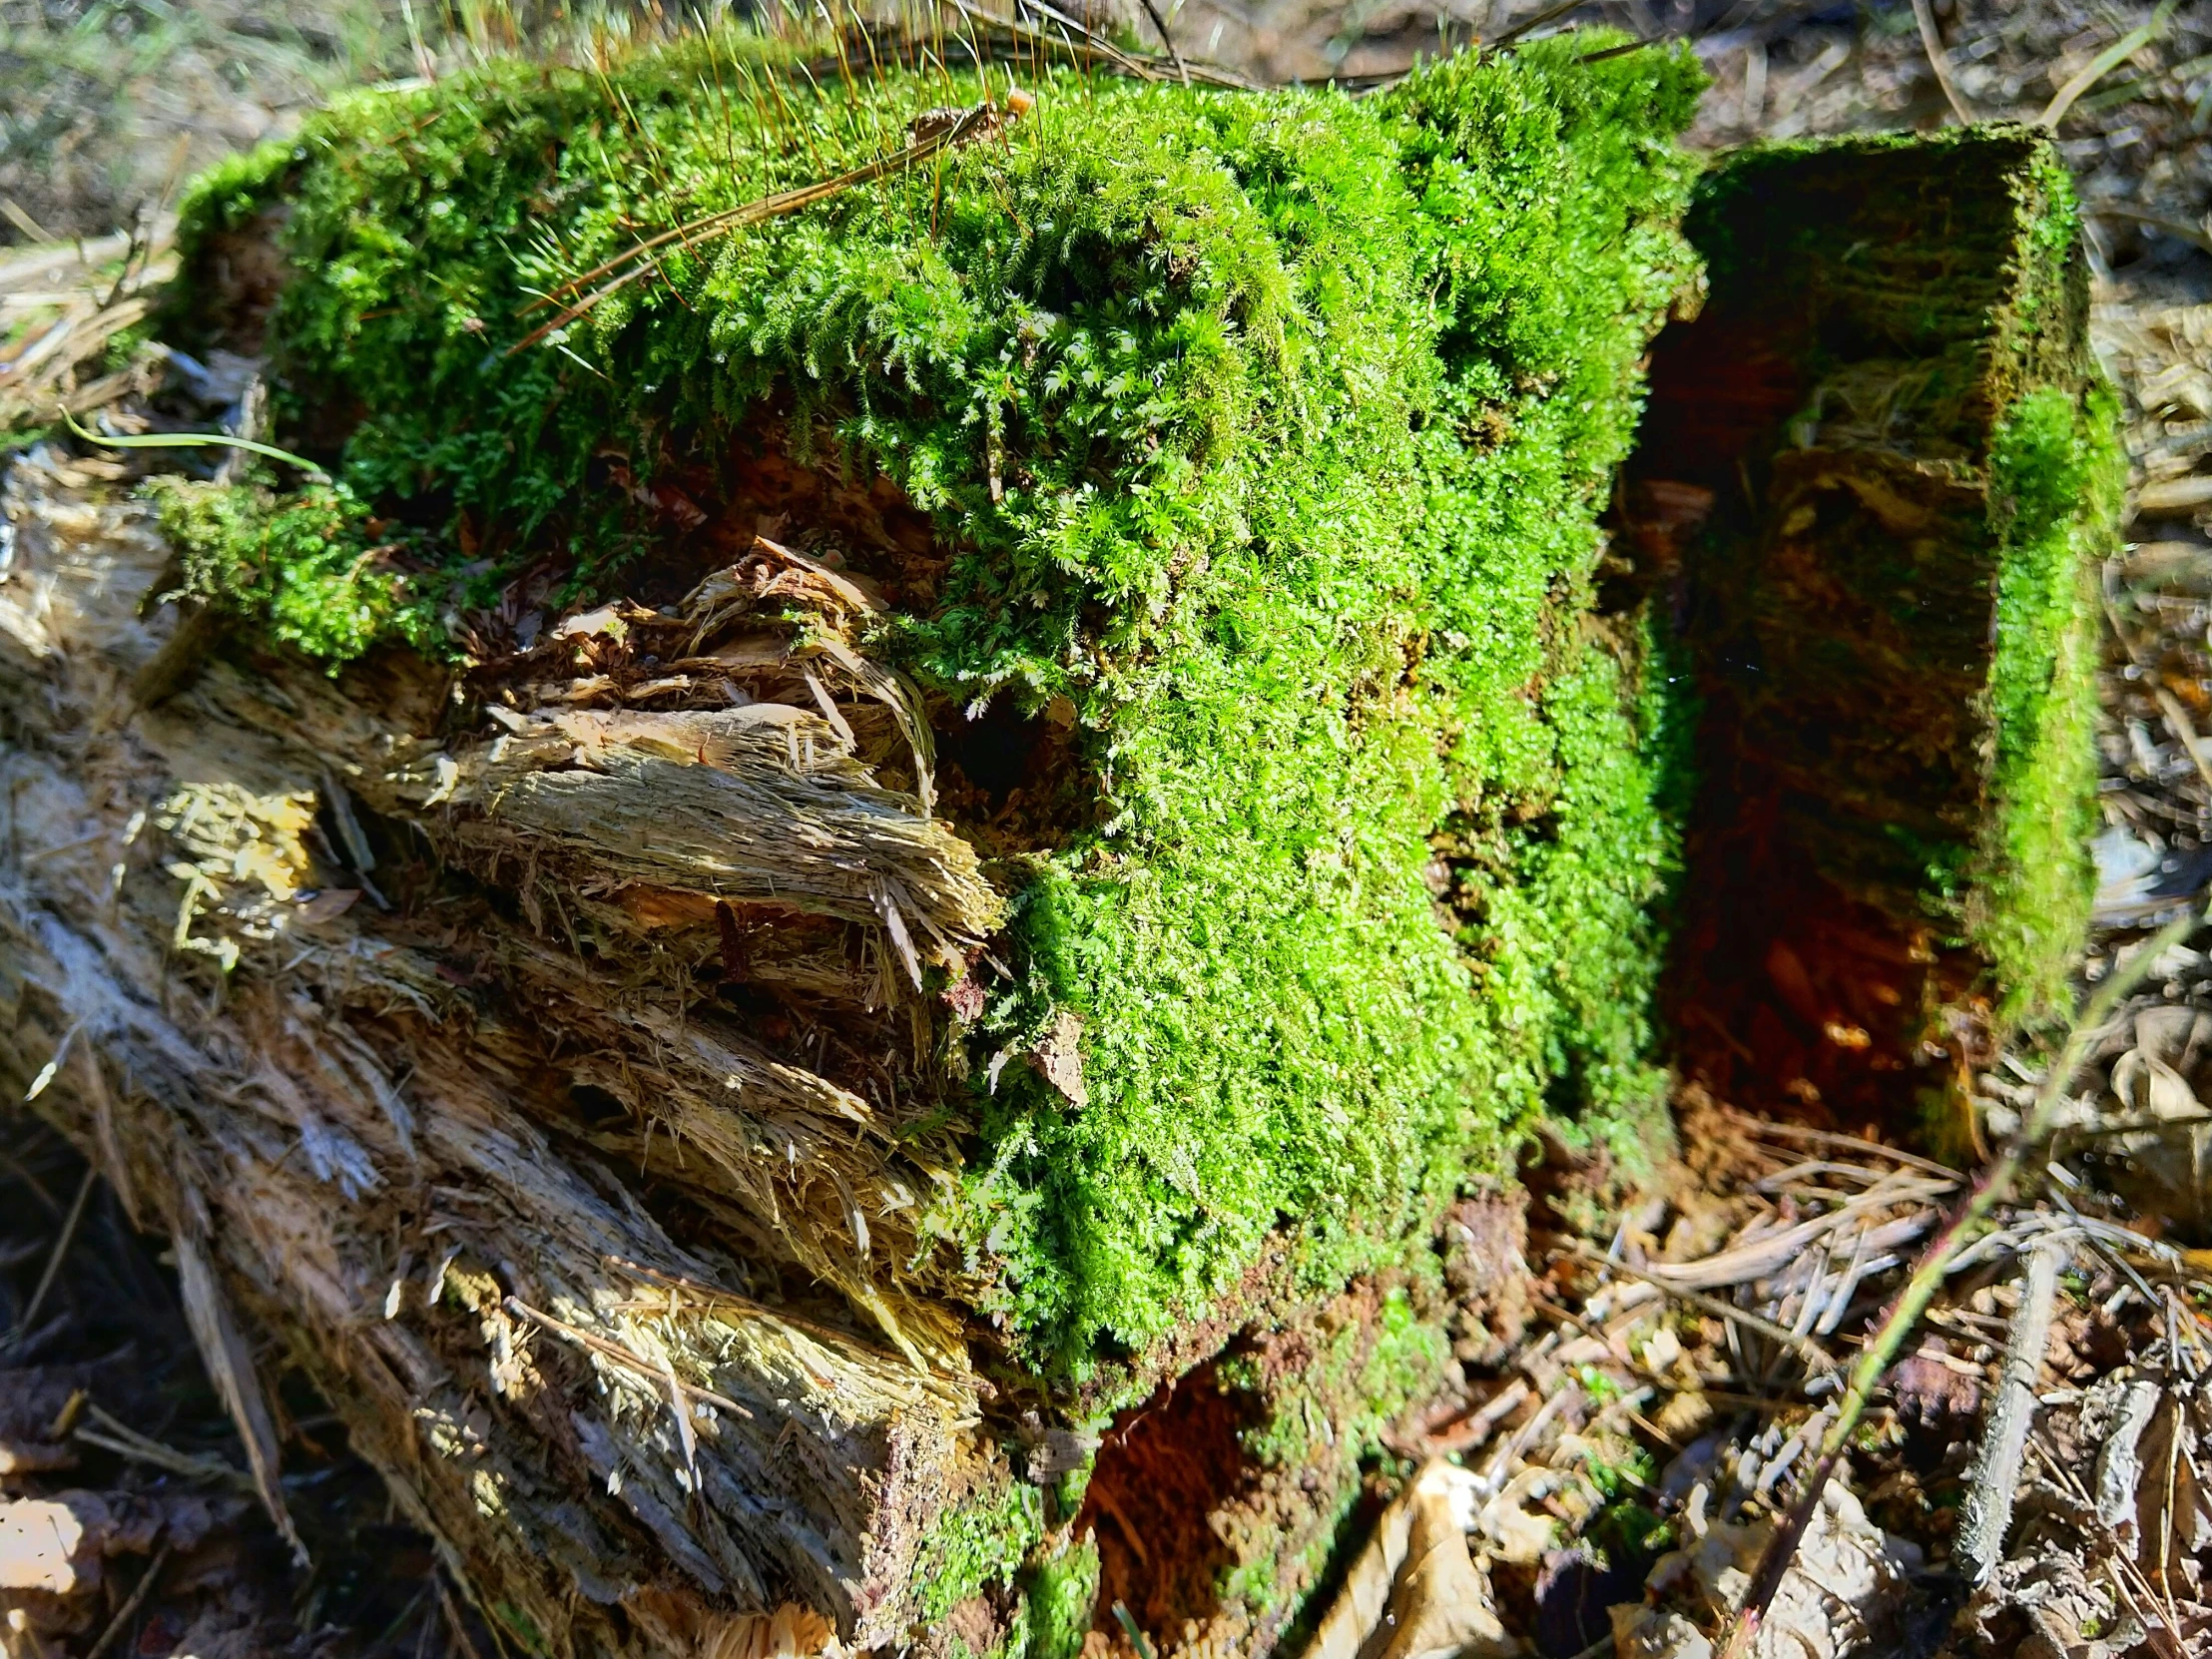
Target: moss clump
(1320, 1426)
(1268, 434)
(1059, 1597)
(309, 569)
(978, 1544)
(2056, 471)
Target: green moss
(227, 196)
(1059, 1594)
(311, 569)
(1338, 1406)
(2056, 472)
(1270, 431)
(977, 1543)
(1316, 1428)
(521, 1627)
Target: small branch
(1536, 20)
(644, 258)
(1803, 1348)
(1174, 57)
(62, 1242)
(120, 1437)
(129, 1610)
(1996, 1466)
(2194, 235)
(1925, 15)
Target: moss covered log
(1252, 450)
(871, 925)
(1881, 468)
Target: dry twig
(1996, 1466)
(644, 258)
(1925, 15)
(62, 1242)
(130, 1609)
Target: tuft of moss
(1059, 1595)
(307, 569)
(1269, 432)
(978, 1544)
(2057, 473)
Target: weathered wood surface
(309, 1102)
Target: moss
(978, 1543)
(1271, 431)
(2056, 472)
(1059, 1595)
(1369, 1371)
(521, 1627)
(1317, 1426)
(309, 569)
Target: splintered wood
(721, 794)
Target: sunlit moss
(1269, 431)
(308, 569)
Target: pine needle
(646, 258)
(2103, 64)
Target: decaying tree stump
(953, 801)
(1905, 469)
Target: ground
(1624, 1411)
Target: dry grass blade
(1762, 1256)
(1079, 40)
(2103, 64)
(2194, 235)
(2120, 1565)
(71, 305)
(1804, 1135)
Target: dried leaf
(1059, 1056)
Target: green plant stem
(1989, 1189)
(192, 441)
